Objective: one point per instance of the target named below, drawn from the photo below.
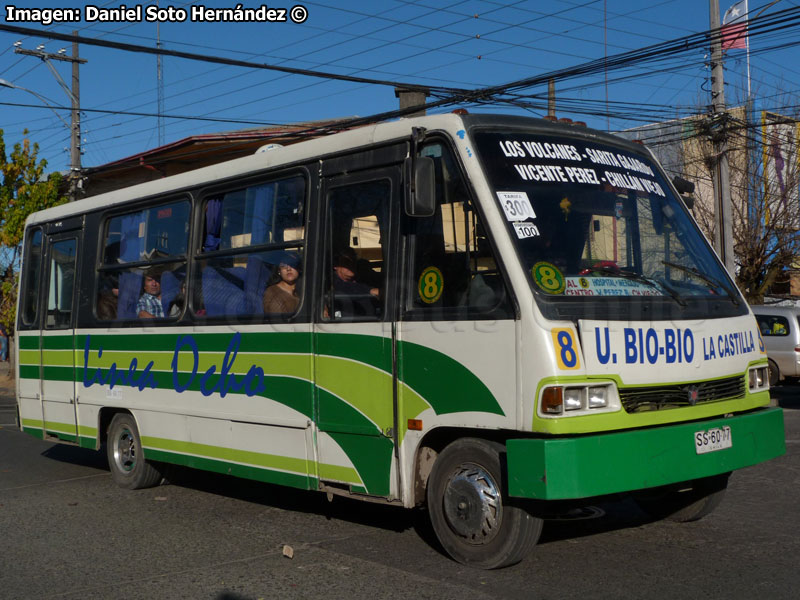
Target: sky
(444, 43)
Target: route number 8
(566, 352)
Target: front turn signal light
(553, 400)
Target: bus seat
(223, 291)
(170, 286)
(130, 288)
(258, 274)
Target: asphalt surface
(68, 532)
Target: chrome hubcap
(125, 451)
(472, 504)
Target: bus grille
(641, 399)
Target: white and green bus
(486, 314)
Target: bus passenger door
(354, 333)
(58, 335)
(457, 335)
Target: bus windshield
(599, 231)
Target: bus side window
(357, 227)
(248, 233)
(29, 301)
(63, 257)
(452, 268)
(149, 241)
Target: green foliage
(23, 190)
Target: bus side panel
(281, 455)
(446, 379)
(241, 404)
(29, 383)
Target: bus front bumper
(594, 465)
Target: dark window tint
(157, 232)
(61, 291)
(143, 269)
(357, 229)
(453, 273)
(773, 325)
(251, 261)
(30, 287)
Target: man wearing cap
(347, 288)
(149, 305)
(344, 265)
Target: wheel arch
(104, 418)
(436, 440)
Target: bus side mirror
(420, 187)
(685, 189)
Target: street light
(8, 84)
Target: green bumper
(593, 465)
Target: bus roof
(318, 147)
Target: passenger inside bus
(281, 295)
(175, 306)
(149, 305)
(108, 297)
(353, 298)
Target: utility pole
(723, 238)
(74, 96)
(75, 139)
(160, 85)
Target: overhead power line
(214, 59)
(780, 22)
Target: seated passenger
(281, 296)
(352, 298)
(149, 305)
(176, 306)
(107, 304)
(344, 281)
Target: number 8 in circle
(548, 278)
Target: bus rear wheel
(689, 501)
(125, 456)
(470, 513)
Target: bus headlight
(758, 378)
(597, 397)
(578, 399)
(573, 398)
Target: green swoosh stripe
(445, 383)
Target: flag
(734, 27)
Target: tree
(24, 189)
(764, 197)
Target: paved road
(68, 532)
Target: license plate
(712, 440)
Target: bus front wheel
(689, 501)
(470, 513)
(125, 457)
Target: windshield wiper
(707, 278)
(634, 276)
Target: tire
(682, 503)
(774, 374)
(126, 459)
(470, 511)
